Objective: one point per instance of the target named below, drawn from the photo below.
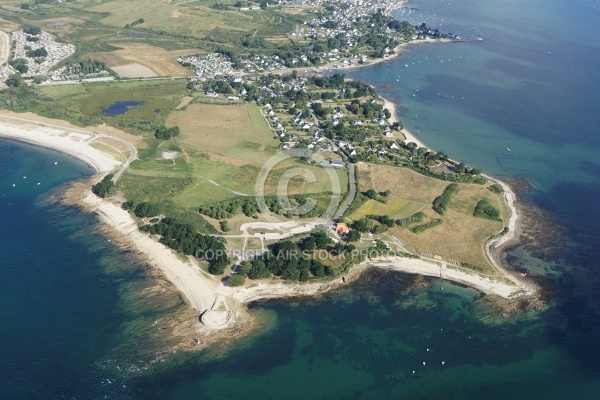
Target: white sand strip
(199, 290)
(60, 139)
(484, 284)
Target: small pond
(120, 107)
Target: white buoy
(55, 162)
(14, 185)
(443, 362)
(423, 362)
(427, 349)
(24, 177)
(39, 183)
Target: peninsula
(240, 171)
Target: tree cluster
(485, 209)
(496, 188)
(416, 217)
(229, 208)
(105, 188)
(184, 238)
(84, 67)
(293, 260)
(32, 30)
(41, 52)
(20, 64)
(134, 23)
(441, 202)
(164, 133)
(145, 209)
(424, 227)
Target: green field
(82, 104)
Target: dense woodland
(296, 261)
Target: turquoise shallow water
(62, 305)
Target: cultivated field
(4, 47)
(134, 70)
(162, 62)
(460, 237)
(226, 130)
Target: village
(342, 33)
(342, 120)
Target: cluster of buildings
(208, 64)
(261, 63)
(37, 66)
(336, 20)
(40, 65)
(64, 74)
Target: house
(341, 228)
(336, 164)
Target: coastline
(200, 289)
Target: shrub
(236, 280)
(441, 202)
(486, 210)
(106, 187)
(496, 188)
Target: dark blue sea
(530, 85)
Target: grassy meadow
(460, 237)
(219, 153)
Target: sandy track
(4, 47)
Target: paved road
(133, 153)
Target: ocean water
(65, 289)
(530, 85)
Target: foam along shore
(74, 143)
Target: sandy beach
(409, 137)
(74, 143)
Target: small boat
(507, 149)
